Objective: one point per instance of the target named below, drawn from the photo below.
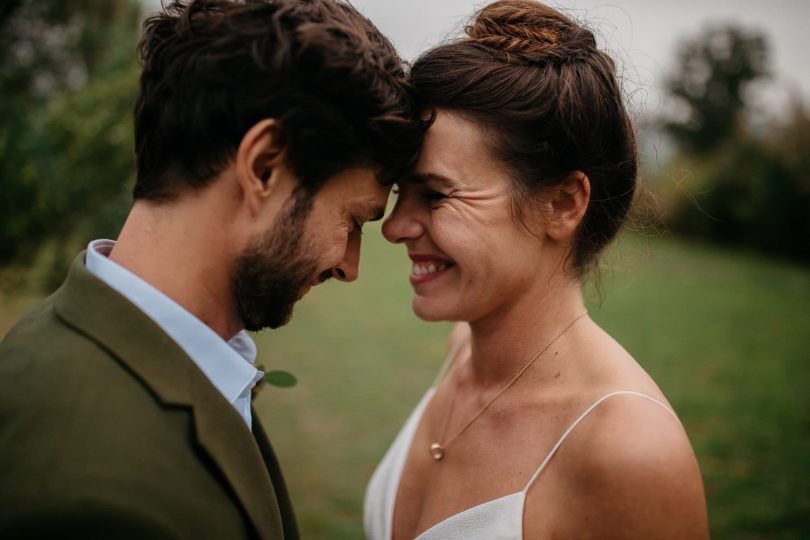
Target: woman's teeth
(420, 269)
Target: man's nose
(349, 267)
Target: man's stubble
(276, 267)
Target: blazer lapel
(270, 460)
(90, 306)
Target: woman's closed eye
(432, 197)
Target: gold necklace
(437, 450)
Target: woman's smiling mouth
(427, 268)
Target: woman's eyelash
(432, 196)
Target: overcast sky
(641, 34)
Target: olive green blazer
(109, 430)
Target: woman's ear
(260, 162)
(568, 206)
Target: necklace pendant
(436, 451)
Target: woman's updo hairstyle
(535, 81)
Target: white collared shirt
(227, 364)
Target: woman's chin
(430, 310)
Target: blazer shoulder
(43, 347)
(82, 428)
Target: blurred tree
(708, 84)
(744, 187)
(755, 192)
(68, 77)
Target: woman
(543, 426)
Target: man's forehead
(367, 197)
(360, 191)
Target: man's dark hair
(214, 68)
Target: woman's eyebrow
(421, 178)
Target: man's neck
(174, 247)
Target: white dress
(498, 519)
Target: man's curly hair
(214, 68)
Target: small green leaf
(282, 379)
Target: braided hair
(551, 102)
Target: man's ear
(568, 205)
(259, 162)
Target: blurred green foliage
(735, 184)
(753, 192)
(68, 78)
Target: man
(266, 135)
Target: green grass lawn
(726, 336)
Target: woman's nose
(403, 223)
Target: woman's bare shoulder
(630, 473)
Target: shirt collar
(227, 364)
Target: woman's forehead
(455, 151)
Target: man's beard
(275, 267)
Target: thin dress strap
(582, 417)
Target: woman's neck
(504, 342)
